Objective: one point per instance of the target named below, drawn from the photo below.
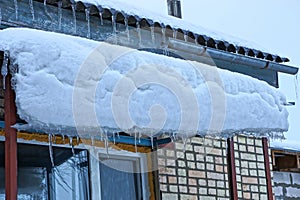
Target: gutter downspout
(207, 55)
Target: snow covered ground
(65, 81)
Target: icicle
(77, 140)
(138, 28)
(118, 134)
(140, 135)
(92, 141)
(297, 86)
(101, 17)
(31, 9)
(87, 17)
(51, 149)
(59, 14)
(74, 17)
(164, 43)
(0, 16)
(114, 138)
(127, 28)
(175, 34)
(135, 142)
(152, 33)
(152, 142)
(101, 134)
(163, 31)
(114, 25)
(63, 138)
(54, 138)
(106, 145)
(16, 9)
(46, 10)
(185, 37)
(59, 131)
(4, 67)
(72, 146)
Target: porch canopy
(80, 86)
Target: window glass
(122, 174)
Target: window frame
(286, 157)
(95, 176)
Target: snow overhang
(75, 85)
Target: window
(285, 161)
(38, 179)
(174, 8)
(122, 170)
(117, 176)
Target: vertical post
(231, 169)
(267, 168)
(155, 172)
(11, 189)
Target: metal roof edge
(230, 57)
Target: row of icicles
(114, 17)
(137, 23)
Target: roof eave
(209, 55)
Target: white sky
(272, 24)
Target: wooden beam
(267, 168)
(11, 188)
(231, 169)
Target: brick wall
(250, 168)
(286, 185)
(201, 171)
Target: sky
(271, 24)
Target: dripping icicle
(87, 16)
(31, 9)
(59, 14)
(4, 68)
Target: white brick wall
(286, 185)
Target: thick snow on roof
(132, 8)
(67, 81)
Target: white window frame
(95, 178)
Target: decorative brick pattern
(201, 171)
(198, 173)
(250, 168)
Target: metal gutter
(209, 55)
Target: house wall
(286, 185)
(250, 168)
(201, 171)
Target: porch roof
(206, 100)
